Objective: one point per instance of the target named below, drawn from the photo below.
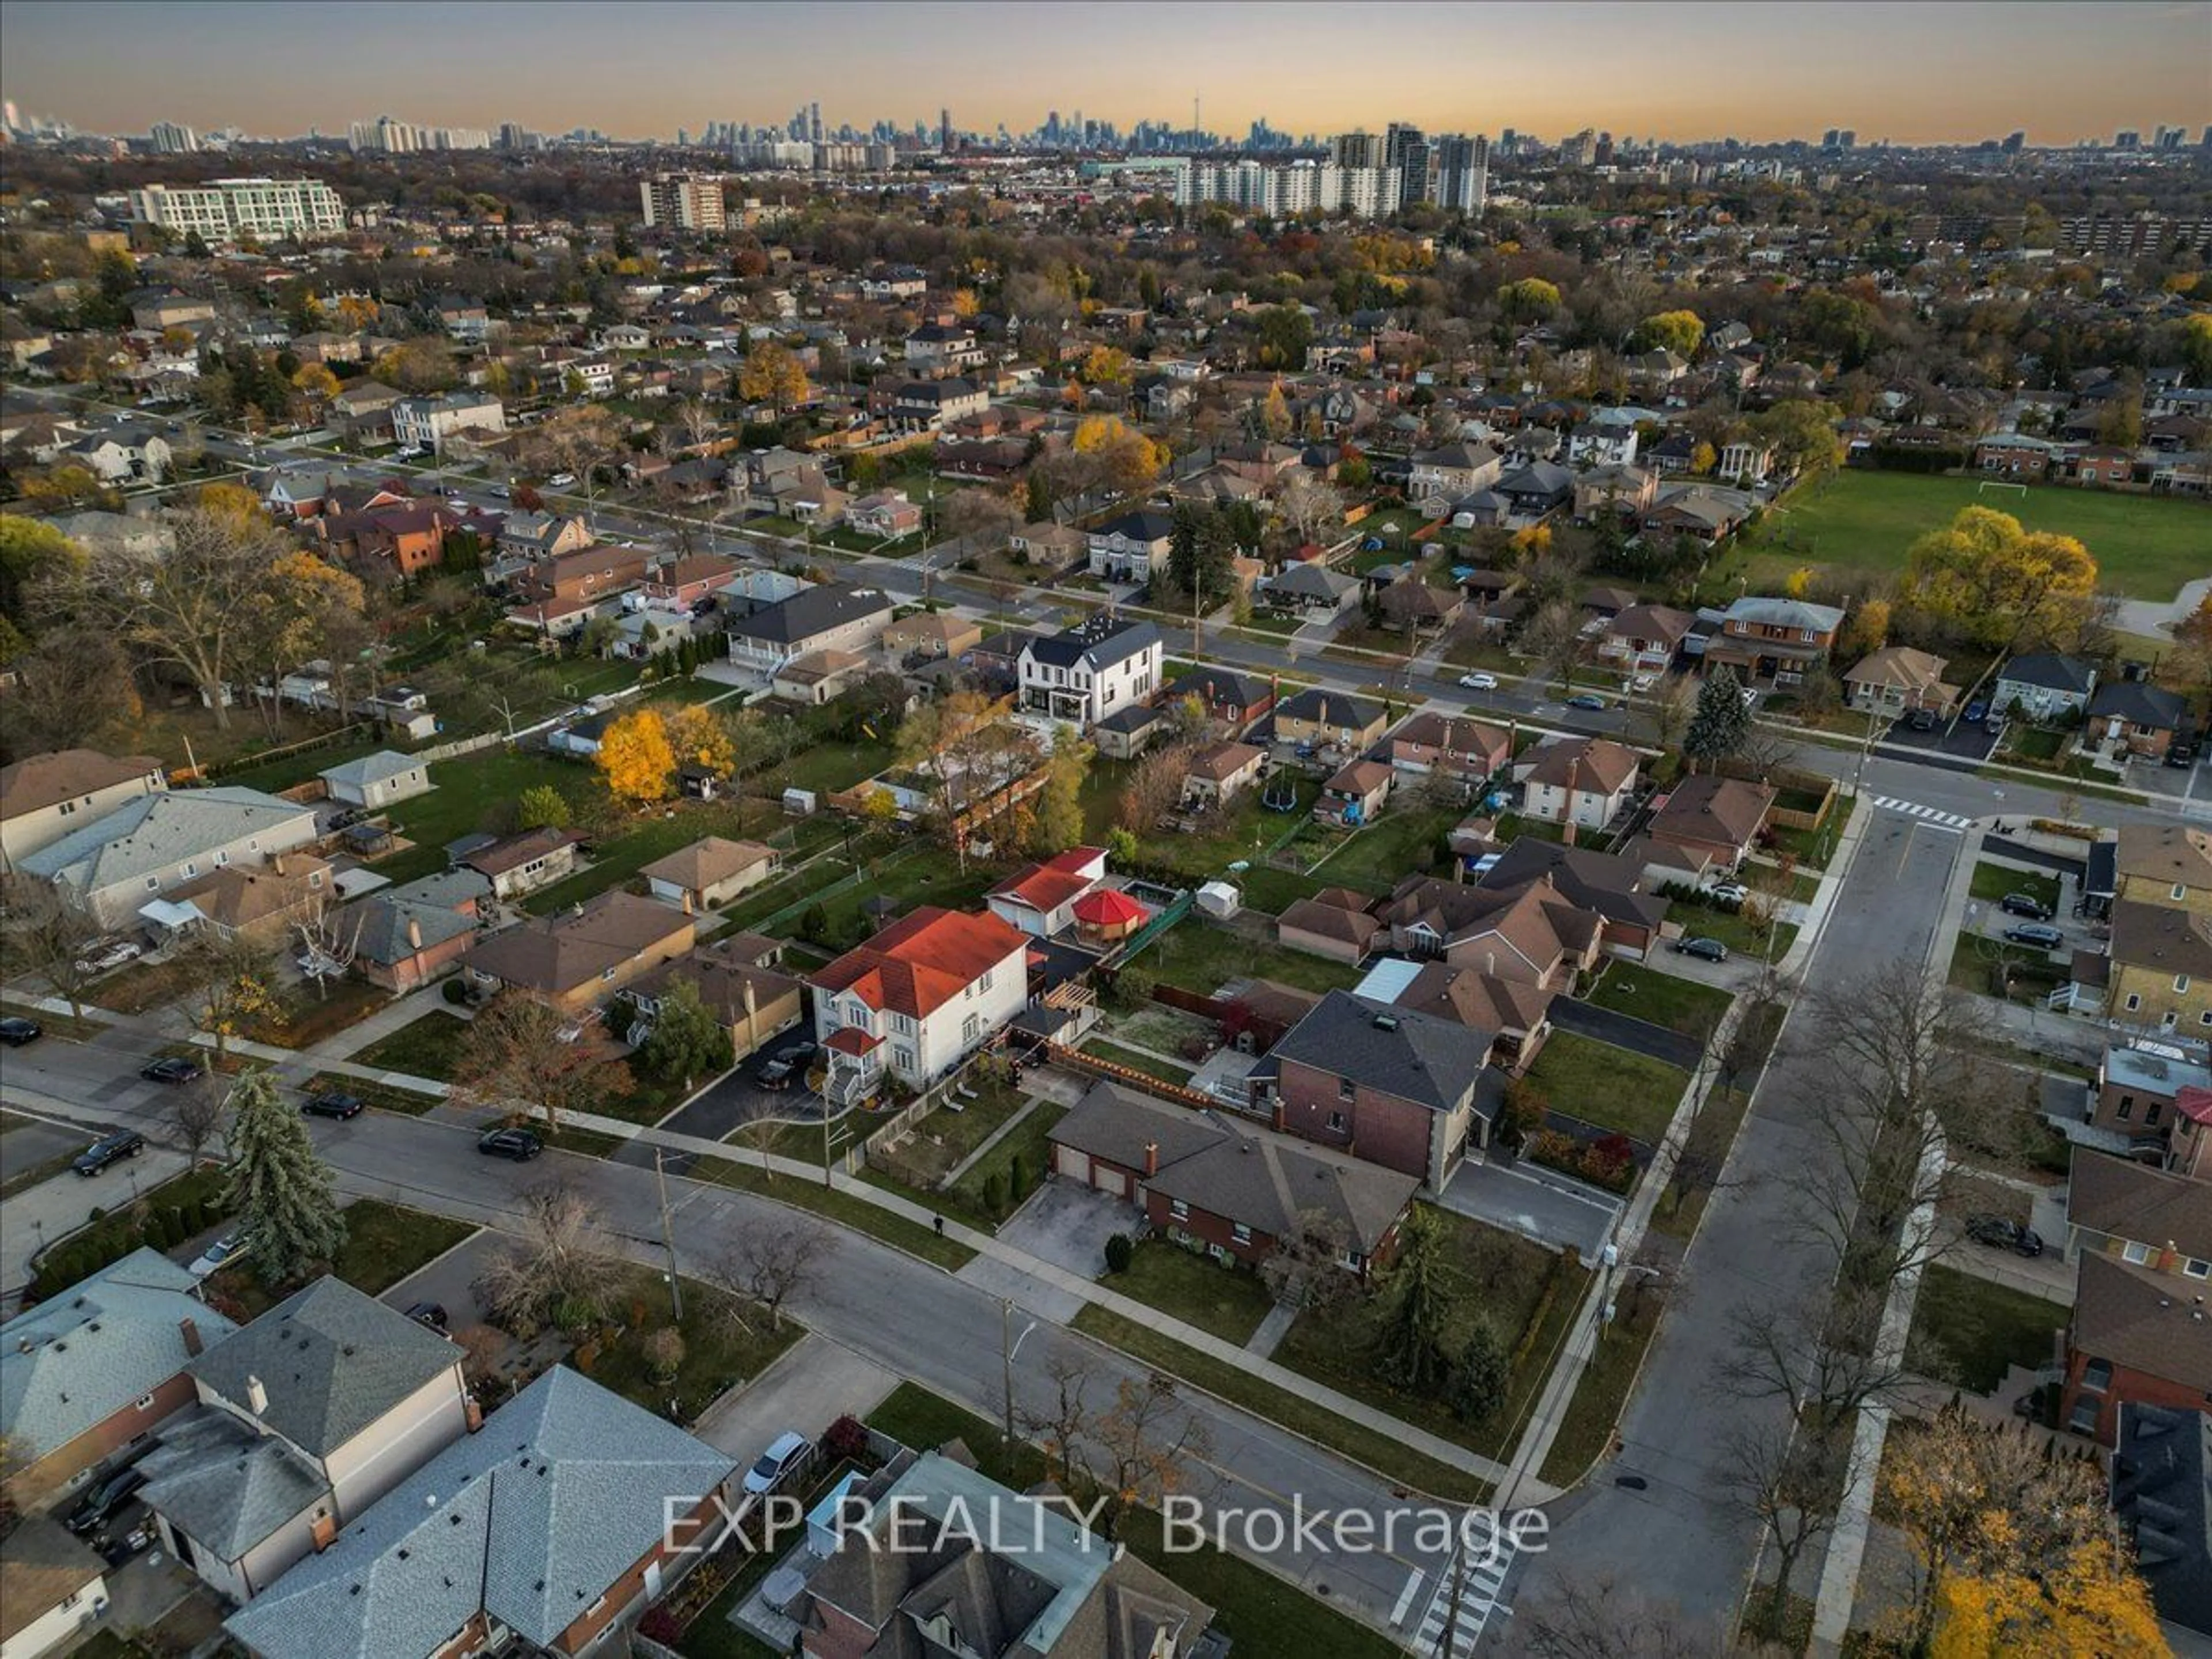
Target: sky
(1914, 73)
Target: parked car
(224, 1251)
(2002, 1234)
(100, 1506)
(1478, 681)
(174, 1069)
(2182, 751)
(1922, 719)
(1976, 712)
(562, 481)
(109, 1149)
(15, 1031)
(429, 1314)
(1643, 683)
(346, 816)
(105, 958)
(1729, 892)
(784, 1454)
(332, 1105)
(786, 1064)
(1996, 727)
(2035, 933)
(1706, 950)
(2025, 904)
(520, 1145)
(1586, 699)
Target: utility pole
(668, 1237)
(1009, 1346)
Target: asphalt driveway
(1639, 1036)
(1067, 1224)
(1535, 1204)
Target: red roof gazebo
(1109, 913)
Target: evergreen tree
(1039, 494)
(1200, 554)
(1481, 1374)
(1419, 1301)
(1720, 722)
(279, 1188)
(688, 1043)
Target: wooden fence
(1076, 1061)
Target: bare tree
(1789, 1477)
(196, 1113)
(1827, 1360)
(1306, 504)
(772, 1259)
(1059, 1425)
(1552, 639)
(1146, 1444)
(1587, 1618)
(557, 1265)
(1672, 703)
(43, 938)
(518, 1060)
(233, 984)
(1305, 1269)
(1152, 788)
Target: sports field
(2146, 546)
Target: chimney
(323, 1531)
(687, 901)
(472, 1413)
(1151, 1158)
(1275, 1115)
(190, 1329)
(257, 1397)
(414, 934)
(1574, 780)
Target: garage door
(1071, 1163)
(1108, 1179)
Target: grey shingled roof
(1432, 1063)
(810, 611)
(371, 768)
(558, 1495)
(2162, 1496)
(154, 831)
(68, 1362)
(1098, 642)
(331, 1360)
(227, 1486)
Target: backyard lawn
(1967, 1330)
(718, 1352)
(1229, 1301)
(1203, 958)
(1402, 842)
(1167, 1071)
(470, 791)
(2145, 546)
(620, 857)
(1608, 1086)
(1680, 1004)
(384, 1244)
(1993, 881)
(430, 1046)
(1245, 831)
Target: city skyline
(2070, 73)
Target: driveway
(450, 1281)
(1639, 1036)
(32, 1219)
(1067, 1224)
(1959, 742)
(1535, 1203)
(725, 1106)
(815, 1382)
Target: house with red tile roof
(1040, 899)
(917, 998)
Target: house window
(970, 1029)
(145, 1402)
(1336, 1122)
(2098, 1375)
(606, 972)
(2181, 982)
(1345, 1089)
(983, 981)
(191, 869)
(2193, 1268)
(1179, 1210)
(2134, 1003)
(68, 807)
(1241, 1234)
(2150, 1117)
(2126, 1109)
(2180, 891)
(2135, 1253)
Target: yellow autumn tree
(698, 739)
(2084, 1602)
(232, 503)
(964, 302)
(1997, 584)
(1867, 629)
(1275, 414)
(773, 373)
(636, 758)
(316, 381)
(1105, 364)
(1703, 458)
(1799, 582)
(1129, 460)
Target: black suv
(174, 1069)
(2025, 904)
(2005, 1235)
(2039, 935)
(330, 1105)
(1706, 950)
(520, 1144)
(100, 1504)
(16, 1030)
(108, 1149)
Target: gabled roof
(1143, 524)
(2141, 1319)
(922, 961)
(2141, 704)
(1452, 734)
(2166, 940)
(2162, 1499)
(1713, 809)
(496, 858)
(1583, 876)
(152, 832)
(68, 1362)
(1099, 641)
(558, 953)
(709, 859)
(226, 1486)
(43, 1567)
(531, 1519)
(331, 1360)
(2126, 1200)
(2165, 852)
(810, 611)
(1482, 1002)
(2052, 672)
(1593, 765)
(1432, 1062)
(1651, 621)
(1319, 706)
(1899, 665)
(1219, 685)
(1219, 761)
(1794, 614)
(42, 781)
(1045, 887)
(371, 768)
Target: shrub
(663, 1354)
(1121, 1251)
(1018, 1179)
(994, 1193)
(456, 993)
(660, 1626)
(846, 1439)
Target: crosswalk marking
(1479, 1583)
(1930, 815)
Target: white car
(224, 1250)
(110, 957)
(408, 453)
(1478, 681)
(1644, 682)
(562, 481)
(1729, 892)
(787, 1452)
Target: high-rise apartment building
(682, 201)
(1280, 190)
(1356, 150)
(1407, 152)
(226, 209)
(1579, 150)
(171, 139)
(1462, 172)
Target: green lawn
(2146, 546)
(929, 874)
(1201, 957)
(1229, 1302)
(471, 793)
(1646, 992)
(1993, 881)
(1272, 891)
(1167, 1071)
(1702, 921)
(1402, 842)
(826, 767)
(720, 1353)
(1030, 1144)
(430, 1045)
(843, 1208)
(1608, 1086)
(1967, 1330)
(1586, 1432)
(384, 1243)
(1243, 831)
(665, 831)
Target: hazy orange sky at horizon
(1911, 73)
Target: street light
(1009, 1346)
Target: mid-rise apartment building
(225, 210)
(681, 201)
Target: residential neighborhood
(712, 841)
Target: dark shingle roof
(810, 611)
(1433, 1062)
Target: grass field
(1203, 958)
(427, 1046)
(2146, 546)
(1608, 1086)
(1193, 1288)
(1680, 1005)
(1967, 1330)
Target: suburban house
(1335, 922)
(2135, 717)
(1628, 489)
(1354, 794)
(738, 982)
(1645, 638)
(559, 594)
(2141, 1242)
(1329, 718)
(1580, 781)
(1897, 680)
(45, 797)
(1040, 898)
(789, 484)
(543, 1531)
(1610, 888)
(1384, 1085)
(1220, 772)
(297, 1433)
(1133, 548)
(1745, 463)
(1447, 745)
(816, 677)
(824, 618)
(427, 423)
(2162, 1502)
(918, 999)
(1539, 488)
(2044, 684)
(1233, 699)
(1601, 444)
(932, 633)
(1123, 734)
(93, 1371)
(52, 1589)
(155, 843)
(405, 937)
(1029, 1582)
(884, 512)
(1531, 934)
(711, 871)
(1312, 588)
(1226, 1190)
(375, 781)
(1102, 665)
(2161, 942)
(1440, 476)
(2140, 1093)
(522, 863)
(1706, 823)
(928, 406)
(1773, 642)
(1514, 1014)
(532, 536)
(261, 903)
(578, 957)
